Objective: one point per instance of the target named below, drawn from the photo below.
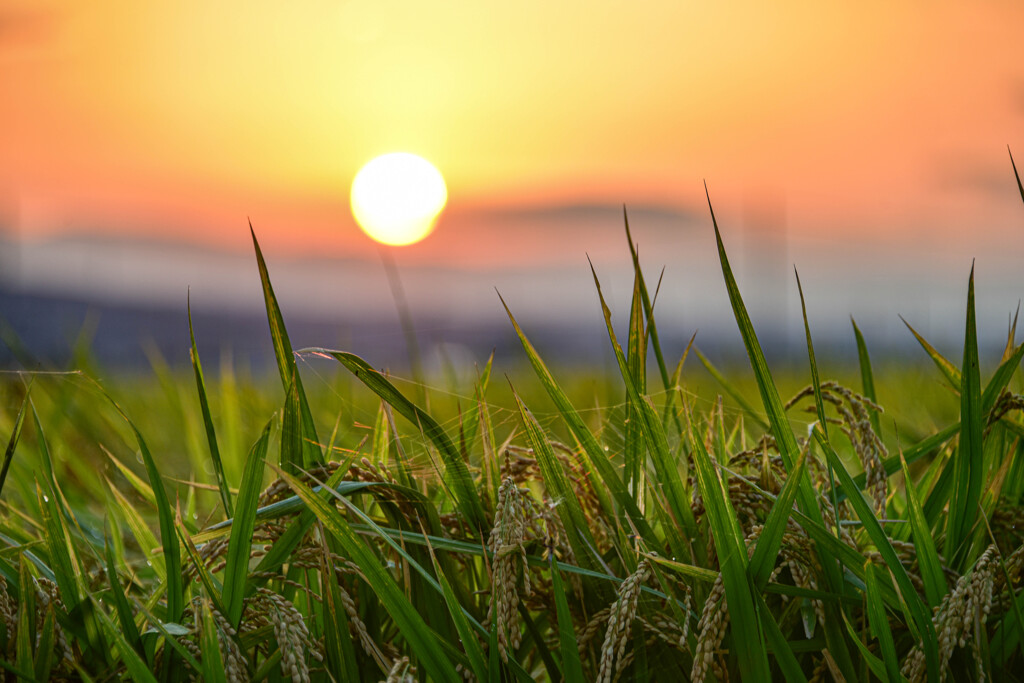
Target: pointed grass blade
(457, 472)
(286, 360)
(636, 357)
(169, 539)
(648, 306)
(12, 443)
(666, 469)
(1016, 175)
(948, 370)
(784, 437)
(596, 457)
(968, 463)
(867, 377)
(204, 406)
(236, 569)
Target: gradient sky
(181, 119)
(866, 142)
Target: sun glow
(396, 198)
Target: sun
(396, 198)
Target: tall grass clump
(214, 533)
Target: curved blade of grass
(879, 623)
(12, 443)
(747, 635)
(286, 365)
(409, 622)
(652, 328)
(294, 504)
(948, 370)
(169, 539)
(204, 406)
(919, 616)
(1015, 174)
(236, 569)
(456, 472)
(292, 458)
(968, 463)
(666, 469)
(636, 357)
(786, 442)
(927, 557)
(596, 457)
(867, 377)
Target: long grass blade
(666, 469)
(1015, 174)
(784, 438)
(204, 406)
(948, 370)
(236, 569)
(457, 473)
(311, 453)
(12, 443)
(867, 377)
(968, 463)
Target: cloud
(572, 214)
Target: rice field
(181, 527)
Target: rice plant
(270, 537)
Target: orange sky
(862, 121)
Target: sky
(866, 142)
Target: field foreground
(424, 538)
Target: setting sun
(396, 198)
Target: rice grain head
(620, 623)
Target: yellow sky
(184, 118)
